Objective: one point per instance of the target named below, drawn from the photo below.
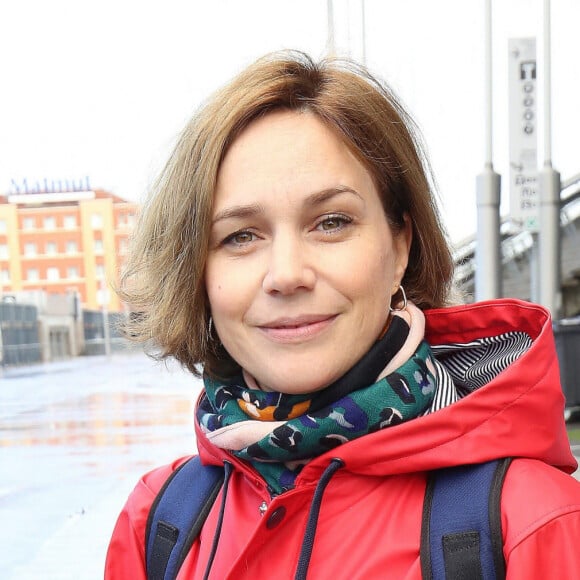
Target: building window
(71, 247)
(98, 246)
(70, 222)
(97, 221)
(52, 273)
(72, 272)
(49, 223)
(28, 223)
(5, 276)
(4, 252)
(103, 296)
(30, 249)
(32, 274)
(100, 271)
(2, 226)
(51, 248)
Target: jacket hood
(518, 413)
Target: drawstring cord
(310, 533)
(308, 541)
(228, 468)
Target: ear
(402, 246)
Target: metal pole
(488, 82)
(1, 321)
(488, 194)
(364, 33)
(547, 85)
(330, 44)
(105, 312)
(549, 180)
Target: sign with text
(523, 135)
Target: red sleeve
(550, 552)
(541, 519)
(126, 553)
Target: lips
(297, 329)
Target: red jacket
(370, 518)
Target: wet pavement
(75, 437)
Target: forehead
(287, 151)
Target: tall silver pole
(488, 186)
(550, 294)
(1, 320)
(364, 33)
(330, 44)
(105, 313)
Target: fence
(567, 335)
(95, 335)
(19, 334)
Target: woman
(293, 254)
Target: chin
(298, 385)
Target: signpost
(523, 136)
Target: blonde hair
(164, 277)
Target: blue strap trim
(177, 516)
(460, 537)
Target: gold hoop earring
(404, 296)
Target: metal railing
(516, 243)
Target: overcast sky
(101, 89)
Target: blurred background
(93, 97)
(101, 89)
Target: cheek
(222, 301)
(216, 288)
(226, 293)
(372, 272)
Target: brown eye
(240, 238)
(334, 222)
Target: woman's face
(302, 262)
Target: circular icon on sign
(528, 115)
(528, 87)
(528, 102)
(528, 129)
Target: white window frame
(70, 222)
(49, 222)
(30, 249)
(32, 275)
(97, 221)
(72, 273)
(51, 248)
(28, 223)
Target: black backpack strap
(461, 535)
(177, 516)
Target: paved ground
(74, 438)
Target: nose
(289, 269)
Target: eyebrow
(326, 194)
(238, 211)
(314, 199)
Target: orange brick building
(62, 242)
